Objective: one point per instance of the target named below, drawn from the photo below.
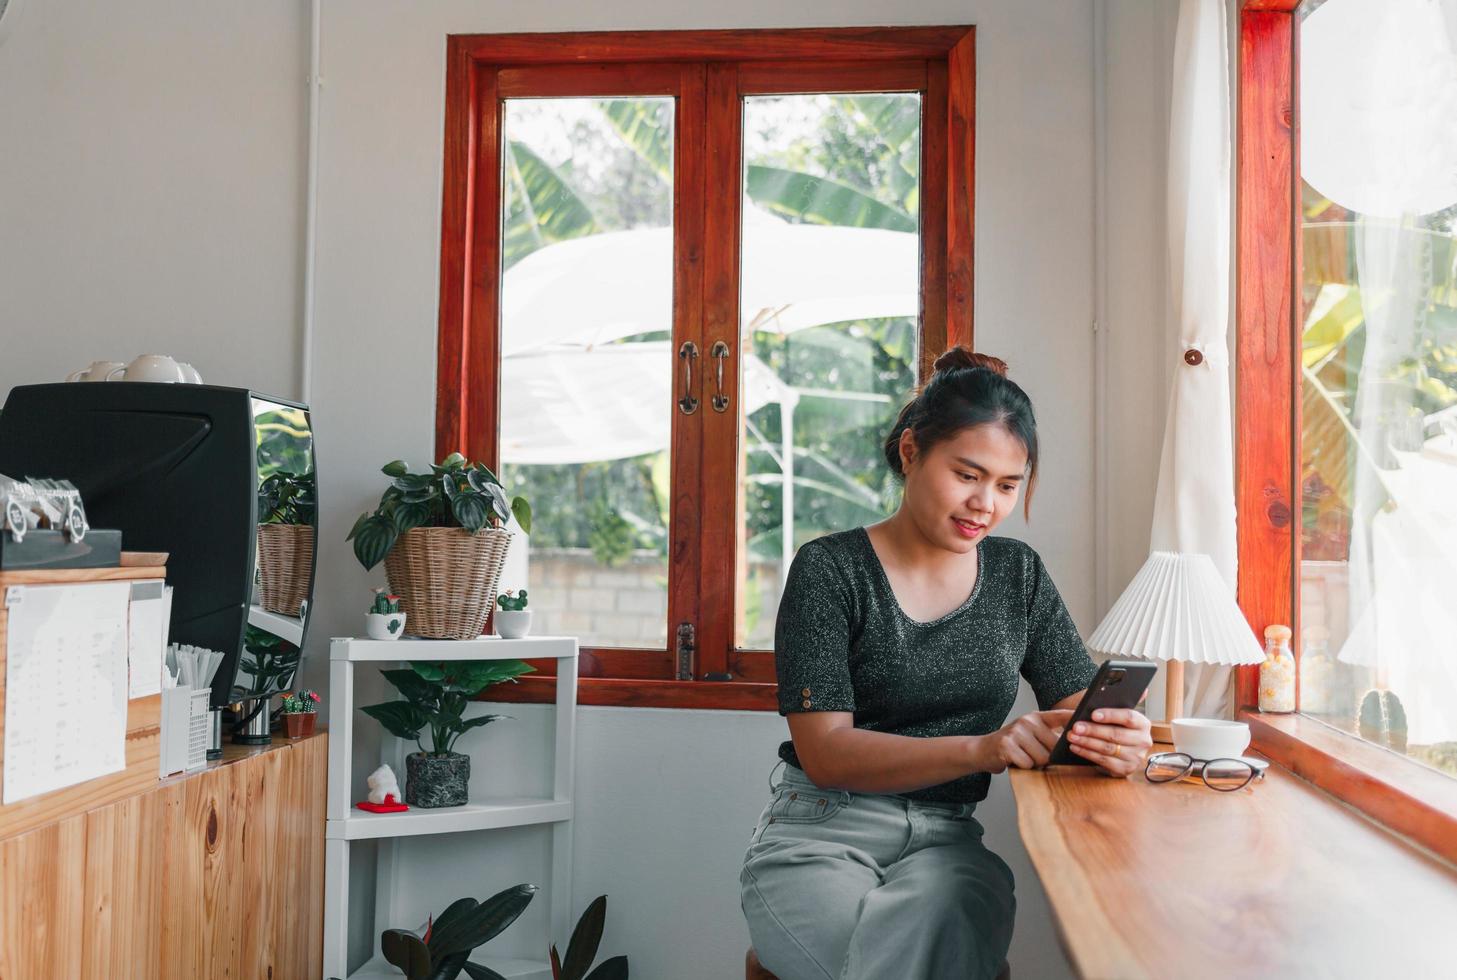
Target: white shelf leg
(386, 882)
(341, 736)
(563, 788)
(336, 908)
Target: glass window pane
(587, 364)
(1379, 376)
(830, 303)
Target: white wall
(152, 162)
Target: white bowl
(1210, 738)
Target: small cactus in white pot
(385, 620)
(513, 619)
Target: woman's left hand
(1117, 740)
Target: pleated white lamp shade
(1178, 607)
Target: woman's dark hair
(966, 389)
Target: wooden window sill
(641, 693)
(1275, 880)
(1403, 795)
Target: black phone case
(1109, 689)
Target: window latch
(687, 643)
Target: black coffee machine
(222, 479)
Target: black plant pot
(436, 780)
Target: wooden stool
(754, 970)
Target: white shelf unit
(345, 824)
(288, 628)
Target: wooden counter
(218, 873)
(1275, 880)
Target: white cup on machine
(96, 372)
(150, 367)
(146, 367)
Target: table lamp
(1177, 608)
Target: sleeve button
(805, 692)
(804, 703)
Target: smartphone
(1118, 684)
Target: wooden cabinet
(215, 874)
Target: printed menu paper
(65, 685)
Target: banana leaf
(819, 200)
(641, 127)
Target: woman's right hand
(1024, 743)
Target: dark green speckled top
(842, 643)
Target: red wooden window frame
(1408, 797)
(707, 72)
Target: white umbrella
(582, 405)
(588, 291)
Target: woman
(898, 647)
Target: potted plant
(582, 949)
(299, 711)
(285, 541)
(442, 539)
(513, 619)
(385, 620)
(435, 697)
(441, 951)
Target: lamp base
(1163, 732)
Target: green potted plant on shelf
(443, 540)
(435, 697)
(513, 619)
(285, 541)
(385, 620)
(299, 711)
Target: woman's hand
(1117, 740)
(1025, 743)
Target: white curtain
(1194, 508)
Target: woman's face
(962, 487)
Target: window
(1348, 342)
(681, 301)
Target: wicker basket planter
(285, 566)
(447, 579)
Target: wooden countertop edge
(233, 754)
(39, 812)
(1112, 959)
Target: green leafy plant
(286, 498)
(267, 660)
(385, 603)
(582, 949)
(444, 950)
(510, 603)
(436, 694)
(455, 493)
(301, 702)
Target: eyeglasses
(1225, 775)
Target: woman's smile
(968, 528)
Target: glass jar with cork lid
(1277, 673)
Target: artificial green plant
(582, 949)
(444, 951)
(510, 602)
(455, 493)
(436, 694)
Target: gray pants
(862, 886)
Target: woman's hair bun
(958, 358)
